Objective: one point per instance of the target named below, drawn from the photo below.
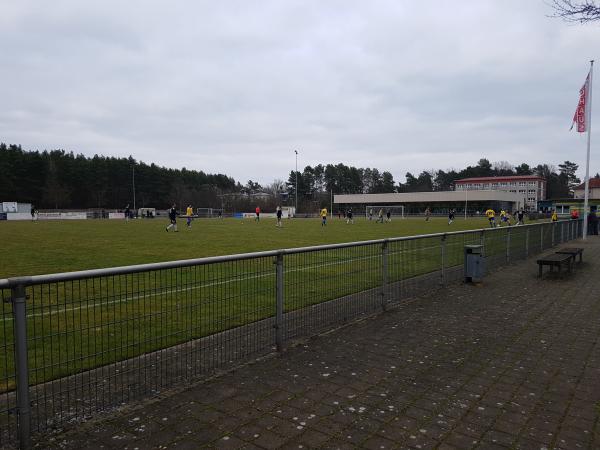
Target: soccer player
(189, 212)
(33, 213)
(349, 218)
(554, 217)
(323, 217)
(371, 214)
(427, 214)
(450, 217)
(172, 219)
(127, 213)
(491, 215)
(502, 217)
(388, 215)
(279, 214)
(380, 216)
(257, 211)
(520, 217)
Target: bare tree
(275, 188)
(576, 11)
(503, 168)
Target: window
(531, 191)
(522, 183)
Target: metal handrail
(123, 270)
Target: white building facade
(530, 188)
(594, 189)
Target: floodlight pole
(296, 211)
(133, 183)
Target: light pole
(296, 211)
(133, 185)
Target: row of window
(496, 185)
(524, 191)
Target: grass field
(32, 248)
(78, 325)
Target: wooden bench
(573, 251)
(555, 260)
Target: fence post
(385, 250)
(552, 232)
(541, 237)
(482, 241)
(279, 302)
(508, 245)
(527, 242)
(562, 232)
(443, 250)
(18, 298)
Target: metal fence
(83, 342)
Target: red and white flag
(580, 116)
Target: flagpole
(588, 110)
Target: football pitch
(78, 325)
(34, 248)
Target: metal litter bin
(474, 263)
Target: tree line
(58, 179)
(342, 179)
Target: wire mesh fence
(86, 342)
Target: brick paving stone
(378, 442)
(463, 367)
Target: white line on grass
(178, 290)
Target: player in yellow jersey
(491, 215)
(554, 217)
(189, 212)
(504, 217)
(323, 217)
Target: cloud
(235, 87)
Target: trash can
(474, 263)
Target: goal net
(208, 212)
(372, 212)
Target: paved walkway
(514, 363)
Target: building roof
(594, 183)
(425, 197)
(505, 178)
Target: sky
(235, 87)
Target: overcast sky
(235, 86)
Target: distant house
(594, 189)
(260, 195)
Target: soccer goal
(209, 212)
(396, 211)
